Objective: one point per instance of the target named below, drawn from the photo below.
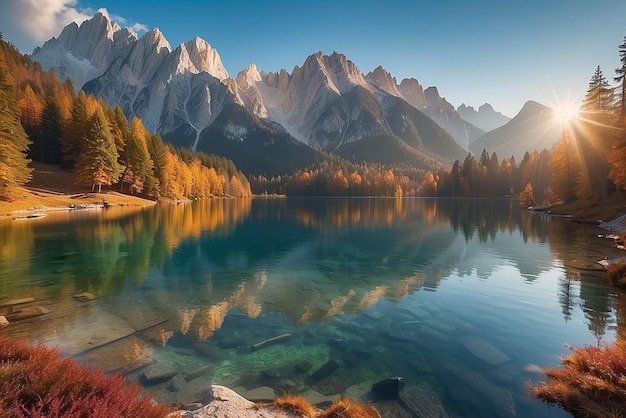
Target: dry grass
(341, 408)
(293, 404)
(590, 383)
(345, 408)
(617, 274)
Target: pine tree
(47, 145)
(75, 130)
(97, 163)
(135, 154)
(599, 97)
(621, 80)
(14, 170)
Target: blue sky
(504, 52)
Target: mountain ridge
(326, 103)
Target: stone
(316, 398)
(423, 402)
(388, 388)
(197, 373)
(261, 394)
(14, 302)
(121, 355)
(232, 342)
(157, 373)
(26, 313)
(326, 370)
(484, 351)
(302, 366)
(176, 384)
(3, 321)
(419, 366)
(350, 359)
(270, 341)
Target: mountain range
(267, 123)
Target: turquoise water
(462, 298)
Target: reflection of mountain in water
(307, 258)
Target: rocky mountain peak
(197, 56)
(384, 81)
(486, 118)
(83, 52)
(413, 92)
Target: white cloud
(29, 23)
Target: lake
(461, 298)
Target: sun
(565, 113)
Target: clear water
(463, 297)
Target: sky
(503, 52)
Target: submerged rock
(326, 370)
(157, 373)
(484, 350)
(388, 388)
(14, 302)
(500, 398)
(423, 402)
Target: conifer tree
(97, 163)
(599, 97)
(75, 130)
(14, 170)
(620, 78)
(47, 145)
(137, 158)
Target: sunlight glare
(565, 112)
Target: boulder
(423, 402)
(326, 370)
(3, 321)
(157, 373)
(388, 388)
(84, 297)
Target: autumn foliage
(36, 382)
(591, 383)
(95, 141)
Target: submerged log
(270, 341)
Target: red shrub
(36, 382)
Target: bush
(591, 383)
(36, 382)
(345, 408)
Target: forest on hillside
(43, 119)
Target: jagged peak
(432, 91)
(486, 107)
(156, 38)
(249, 76)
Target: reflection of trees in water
(212, 256)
